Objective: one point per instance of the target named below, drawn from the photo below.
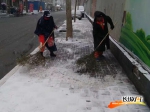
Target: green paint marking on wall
(137, 42)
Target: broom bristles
(87, 64)
(34, 60)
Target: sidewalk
(57, 87)
(5, 15)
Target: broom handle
(48, 38)
(104, 38)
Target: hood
(99, 14)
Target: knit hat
(99, 14)
(46, 14)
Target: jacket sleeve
(110, 22)
(95, 31)
(37, 30)
(54, 23)
(41, 27)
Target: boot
(52, 54)
(101, 57)
(41, 53)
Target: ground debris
(33, 60)
(87, 64)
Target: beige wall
(113, 8)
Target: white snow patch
(116, 44)
(35, 51)
(35, 11)
(142, 70)
(24, 12)
(81, 25)
(69, 41)
(69, 50)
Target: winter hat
(46, 14)
(99, 14)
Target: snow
(116, 44)
(69, 41)
(69, 50)
(6, 77)
(42, 90)
(35, 11)
(56, 87)
(35, 51)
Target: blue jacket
(45, 27)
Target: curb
(12, 72)
(8, 75)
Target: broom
(46, 40)
(34, 59)
(103, 39)
(88, 63)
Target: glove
(112, 27)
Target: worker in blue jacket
(45, 27)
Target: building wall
(112, 8)
(135, 33)
(88, 6)
(79, 2)
(131, 19)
